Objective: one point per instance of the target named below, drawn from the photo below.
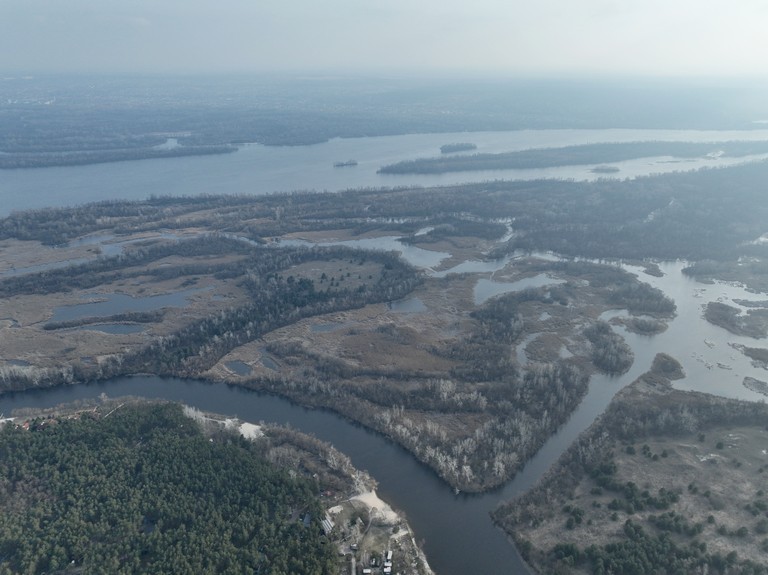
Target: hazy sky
(664, 37)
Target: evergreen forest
(144, 490)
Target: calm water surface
(117, 303)
(257, 169)
(486, 288)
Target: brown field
(23, 317)
(376, 357)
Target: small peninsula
(244, 496)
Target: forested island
(753, 324)
(572, 155)
(457, 147)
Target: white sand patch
(335, 510)
(250, 431)
(378, 508)
(247, 430)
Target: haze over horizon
(548, 37)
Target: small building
(327, 524)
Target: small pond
(117, 303)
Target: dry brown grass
(723, 481)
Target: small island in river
(605, 170)
(457, 147)
(757, 385)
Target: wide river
(257, 169)
(456, 530)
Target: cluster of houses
(386, 564)
(36, 423)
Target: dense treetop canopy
(145, 491)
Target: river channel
(457, 533)
(256, 169)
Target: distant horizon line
(382, 74)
